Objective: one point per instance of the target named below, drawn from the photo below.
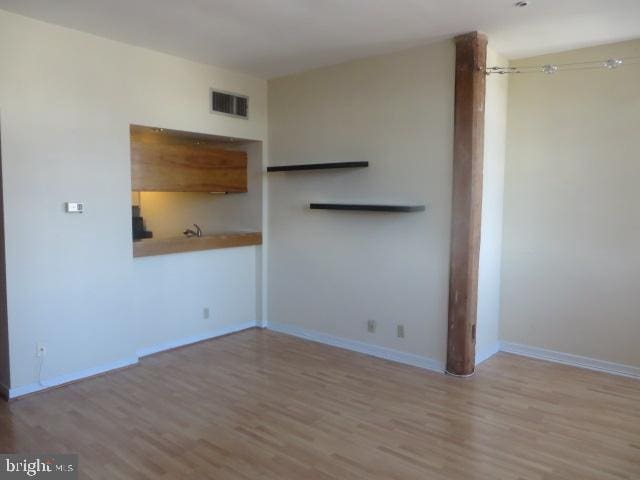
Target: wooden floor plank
(259, 404)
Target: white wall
(5, 375)
(488, 321)
(67, 100)
(330, 272)
(224, 281)
(571, 269)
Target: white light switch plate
(74, 207)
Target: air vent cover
(229, 104)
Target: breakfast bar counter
(164, 246)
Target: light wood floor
(260, 405)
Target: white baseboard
(570, 359)
(143, 352)
(353, 345)
(486, 353)
(13, 393)
(360, 347)
(70, 377)
(481, 355)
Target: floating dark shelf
(317, 166)
(367, 207)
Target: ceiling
(269, 38)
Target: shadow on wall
(5, 378)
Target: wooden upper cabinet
(162, 162)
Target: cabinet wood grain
(164, 163)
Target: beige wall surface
(67, 100)
(331, 271)
(488, 321)
(571, 269)
(5, 373)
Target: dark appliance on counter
(139, 232)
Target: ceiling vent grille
(229, 104)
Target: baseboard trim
(13, 393)
(486, 353)
(570, 359)
(70, 378)
(200, 337)
(353, 345)
(360, 347)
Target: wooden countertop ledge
(164, 246)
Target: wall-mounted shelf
(317, 166)
(367, 207)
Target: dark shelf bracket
(367, 207)
(317, 166)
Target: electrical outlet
(41, 350)
(371, 326)
(400, 331)
(206, 313)
(74, 207)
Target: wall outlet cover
(74, 207)
(371, 326)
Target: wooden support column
(471, 57)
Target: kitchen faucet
(191, 233)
